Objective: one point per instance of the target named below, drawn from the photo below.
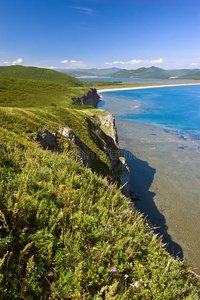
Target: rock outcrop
(102, 131)
(119, 168)
(90, 98)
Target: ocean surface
(175, 108)
(159, 134)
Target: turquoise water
(159, 132)
(175, 108)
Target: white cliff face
(119, 168)
(108, 120)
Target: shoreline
(163, 186)
(165, 179)
(144, 87)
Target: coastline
(144, 87)
(165, 178)
(167, 189)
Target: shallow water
(165, 175)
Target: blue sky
(100, 33)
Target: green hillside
(66, 230)
(39, 74)
(158, 73)
(26, 93)
(151, 73)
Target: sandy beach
(143, 87)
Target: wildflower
(69, 193)
(109, 187)
(15, 204)
(120, 217)
(114, 269)
(66, 145)
(24, 229)
(126, 276)
(88, 244)
(28, 197)
(61, 186)
(39, 183)
(136, 284)
(16, 196)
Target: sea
(159, 134)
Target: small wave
(134, 107)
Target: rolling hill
(39, 74)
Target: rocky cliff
(107, 132)
(90, 98)
(104, 156)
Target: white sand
(144, 87)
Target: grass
(66, 231)
(26, 93)
(41, 74)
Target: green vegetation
(26, 93)
(116, 84)
(152, 72)
(66, 231)
(158, 73)
(38, 74)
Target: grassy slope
(26, 93)
(65, 232)
(38, 74)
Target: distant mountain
(90, 72)
(152, 72)
(158, 73)
(39, 74)
(187, 74)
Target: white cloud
(45, 67)
(77, 64)
(17, 61)
(157, 61)
(52, 67)
(135, 61)
(194, 64)
(6, 62)
(131, 62)
(64, 61)
(76, 61)
(84, 10)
